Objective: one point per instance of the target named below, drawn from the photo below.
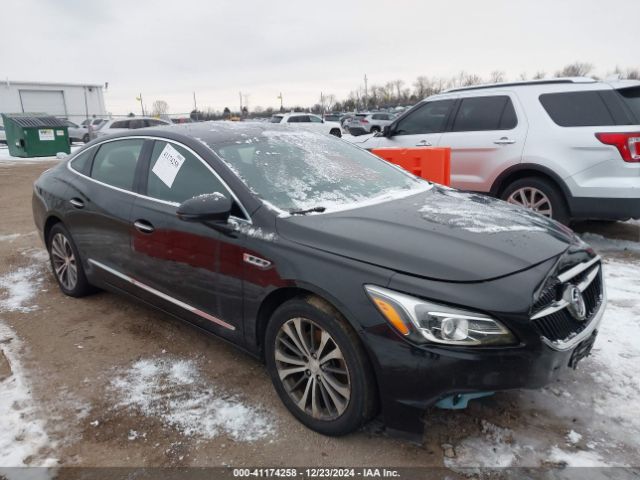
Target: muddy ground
(73, 349)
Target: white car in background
(308, 120)
(130, 123)
(76, 132)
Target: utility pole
(240, 93)
(141, 104)
(365, 91)
(281, 107)
(322, 104)
(195, 105)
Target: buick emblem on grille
(576, 306)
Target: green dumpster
(35, 134)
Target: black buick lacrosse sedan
(364, 289)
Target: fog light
(455, 328)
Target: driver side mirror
(387, 131)
(209, 207)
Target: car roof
(525, 83)
(211, 132)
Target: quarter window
(429, 118)
(593, 108)
(314, 119)
(82, 162)
(115, 163)
(485, 113)
(187, 178)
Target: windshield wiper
(308, 210)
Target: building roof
(8, 82)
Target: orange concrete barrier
(431, 163)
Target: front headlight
(420, 321)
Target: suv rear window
(594, 108)
(485, 113)
(631, 98)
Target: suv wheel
(318, 367)
(336, 132)
(375, 129)
(66, 263)
(539, 195)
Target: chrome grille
(551, 316)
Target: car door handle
(143, 226)
(423, 143)
(77, 203)
(504, 141)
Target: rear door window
(429, 118)
(120, 124)
(115, 163)
(485, 113)
(586, 109)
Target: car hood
(440, 234)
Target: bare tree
(421, 86)
(576, 69)
(497, 76)
(159, 107)
(539, 75)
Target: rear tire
(332, 390)
(336, 132)
(375, 129)
(86, 138)
(539, 195)
(66, 263)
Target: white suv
(568, 148)
(308, 120)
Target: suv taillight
(364, 120)
(628, 144)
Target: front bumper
(414, 378)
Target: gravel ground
(104, 381)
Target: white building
(73, 101)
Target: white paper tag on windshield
(168, 165)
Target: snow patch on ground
(18, 288)
(23, 438)
(173, 391)
(10, 237)
(603, 244)
(579, 458)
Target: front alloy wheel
(318, 366)
(312, 368)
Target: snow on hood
(480, 214)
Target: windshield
(302, 170)
(631, 98)
(276, 119)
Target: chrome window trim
(165, 202)
(164, 296)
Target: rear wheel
(336, 132)
(539, 195)
(66, 263)
(375, 129)
(86, 138)
(318, 367)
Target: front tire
(336, 132)
(539, 195)
(318, 367)
(66, 263)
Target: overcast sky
(167, 49)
